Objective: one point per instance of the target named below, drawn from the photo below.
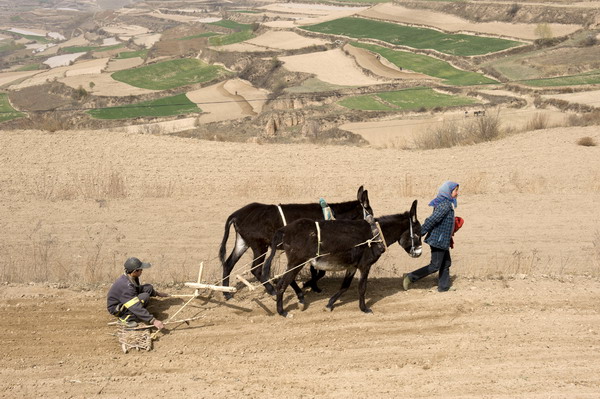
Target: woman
(439, 227)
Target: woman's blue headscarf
(445, 193)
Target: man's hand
(162, 294)
(158, 324)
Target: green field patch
(587, 78)
(236, 37)
(35, 38)
(108, 48)
(367, 102)
(205, 34)
(167, 106)
(236, 26)
(7, 112)
(428, 66)
(419, 38)
(77, 49)
(30, 67)
(169, 74)
(405, 100)
(132, 54)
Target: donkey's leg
(238, 250)
(260, 254)
(299, 294)
(345, 284)
(283, 283)
(362, 289)
(315, 275)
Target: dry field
(403, 133)
(332, 66)
(227, 100)
(522, 323)
(591, 98)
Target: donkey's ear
(360, 193)
(364, 199)
(413, 211)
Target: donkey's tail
(266, 269)
(222, 249)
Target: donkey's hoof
(302, 305)
(317, 289)
(368, 311)
(329, 308)
(289, 315)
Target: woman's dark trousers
(440, 261)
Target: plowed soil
(532, 338)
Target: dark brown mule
(343, 246)
(256, 223)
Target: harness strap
(282, 215)
(381, 234)
(318, 239)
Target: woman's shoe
(406, 282)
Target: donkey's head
(353, 210)
(410, 239)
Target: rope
(368, 242)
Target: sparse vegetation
(10, 46)
(589, 40)
(49, 121)
(513, 10)
(80, 93)
(453, 133)
(543, 31)
(537, 122)
(235, 26)
(587, 142)
(587, 78)
(85, 49)
(409, 99)
(448, 134)
(585, 119)
(199, 35)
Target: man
(127, 298)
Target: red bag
(458, 223)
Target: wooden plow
(140, 338)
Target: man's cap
(132, 264)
